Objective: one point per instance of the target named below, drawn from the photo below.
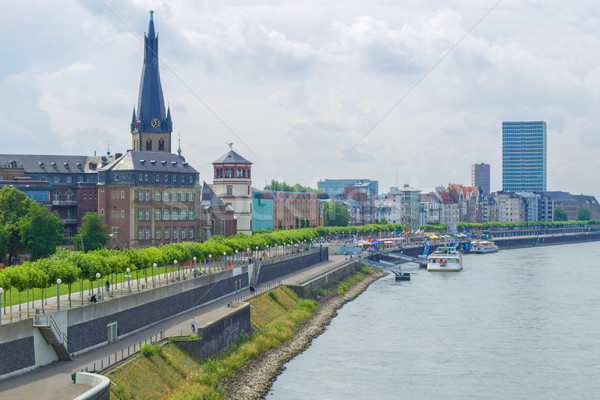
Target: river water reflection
(517, 324)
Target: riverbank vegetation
(169, 373)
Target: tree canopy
(41, 232)
(335, 214)
(92, 234)
(560, 214)
(584, 214)
(284, 187)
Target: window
(147, 233)
(157, 215)
(69, 179)
(122, 213)
(147, 214)
(112, 194)
(175, 233)
(229, 173)
(115, 231)
(147, 195)
(183, 215)
(166, 216)
(102, 211)
(69, 195)
(140, 177)
(140, 234)
(191, 215)
(140, 214)
(56, 179)
(140, 195)
(166, 196)
(182, 196)
(146, 177)
(166, 233)
(157, 195)
(174, 196)
(122, 194)
(175, 216)
(55, 195)
(182, 233)
(161, 147)
(157, 234)
(229, 189)
(191, 233)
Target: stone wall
(16, 347)
(88, 325)
(311, 288)
(274, 271)
(219, 334)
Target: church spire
(152, 126)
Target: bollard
(73, 377)
(94, 367)
(121, 354)
(102, 364)
(109, 361)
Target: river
(517, 324)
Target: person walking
(193, 324)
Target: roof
(209, 196)
(53, 164)
(561, 196)
(233, 158)
(150, 161)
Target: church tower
(151, 127)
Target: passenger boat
(483, 246)
(444, 259)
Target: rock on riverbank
(255, 380)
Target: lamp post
(235, 256)
(267, 250)
(209, 262)
(1, 291)
(153, 268)
(224, 259)
(98, 278)
(176, 268)
(128, 280)
(195, 267)
(58, 282)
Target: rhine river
(517, 324)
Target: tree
(584, 214)
(14, 205)
(41, 232)
(560, 214)
(92, 234)
(335, 214)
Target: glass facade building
(524, 156)
(336, 187)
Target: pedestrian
(107, 286)
(193, 324)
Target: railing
(47, 320)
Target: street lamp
(195, 267)
(224, 259)
(209, 262)
(98, 278)
(58, 282)
(128, 279)
(267, 250)
(1, 291)
(153, 267)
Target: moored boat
(444, 259)
(483, 246)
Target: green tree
(560, 214)
(41, 232)
(14, 205)
(584, 214)
(335, 214)
(92, 234)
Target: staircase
(53, 336)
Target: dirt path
(254, 381)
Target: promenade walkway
(54, 381)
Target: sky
(402, 92)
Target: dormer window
(53, 164)
(163, 162)
(174, 162)
(41, 164)
(153, 162)
(66, 165)
(78, 165)
(142, 161)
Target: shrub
(323, 292)
(148, 350)
(365, 270)
(358, 277)
(342, 289)
(308, 303)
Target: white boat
(444, 259)
(483, 246)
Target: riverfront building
(524, 156)
(335, 187)
(480, 177)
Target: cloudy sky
(398, 91)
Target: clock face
(155, 123)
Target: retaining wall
(16, 347)
(312, 287)
(100, 386)
(274, 271)
(219, 334)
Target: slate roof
(150, 161)
(52, 164)
(232, 157)
(561, 196)
(209, 196)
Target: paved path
(54, 381)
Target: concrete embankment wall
(100, 386)
(219, 334)
(545, 240)
(271, 272)
(17, 351)
(311, 288)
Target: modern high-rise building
(336, 187)
(524, 156)
(480, 177)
